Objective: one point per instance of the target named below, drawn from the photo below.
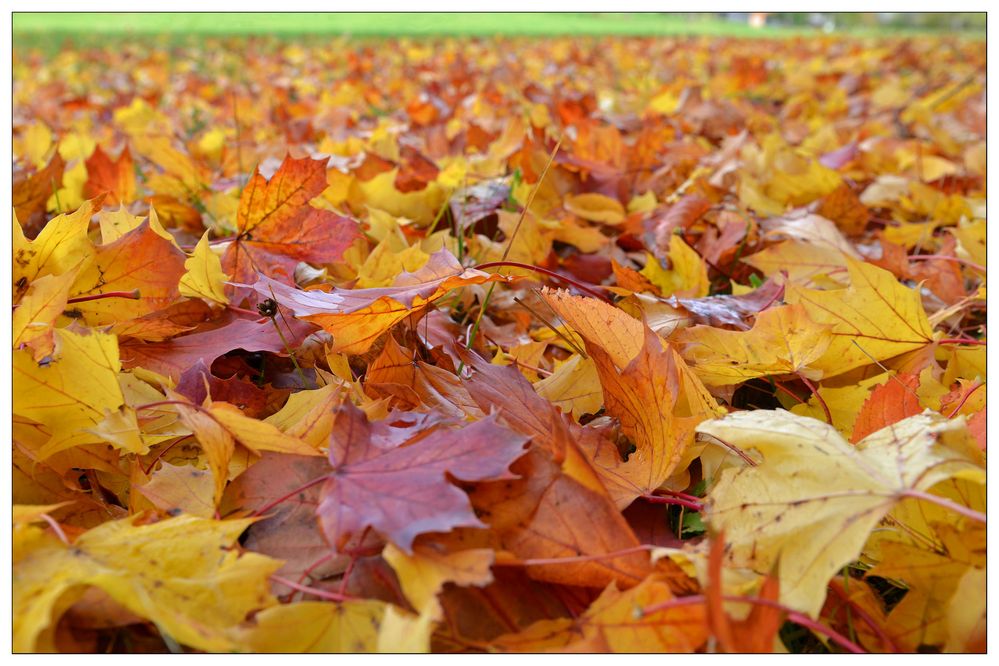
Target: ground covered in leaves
(558, 345)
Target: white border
(398, 6)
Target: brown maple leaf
(402, 489)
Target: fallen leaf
(874, 319)
(811, 503)
(784, 340)
(402, 491)
(197, 594)
(204, 277)
(356, 318)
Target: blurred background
(82, 27)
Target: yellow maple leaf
(70, 393)
(595, 207)
(784, 340)
(180, 573)
(36, 314)
(350, 626)
(811, 502)
(204, 277)
(61, 245)
(687, 276)
(423, 573)
(874, 319)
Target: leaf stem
(731, 447)
(270, 505)
(978, 384)
(818, 397)
(163, 452)
(55, 528)
(961, 341)
(322, 594)
(967, 512)
(133, 295)
(658, 499)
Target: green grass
(29, 25)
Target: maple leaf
(811, 503)
(34, 319)
(141, 261)
(115, 177)
(172, 357)
(423, 573)
(204, 277)
(69, 393)
(181, 489)
(402, 491)
(218, 426)
(350, 626)
(782, 341)
(872, 320)
(197, 593)
(288, 529)
(415, 383)
(277, 227)
(60, 246)
(30, 193)
(357, 317)
(646, 385)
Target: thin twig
(530, 199)
(731, 447)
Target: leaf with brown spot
(142, 261)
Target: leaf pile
(593, 345)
